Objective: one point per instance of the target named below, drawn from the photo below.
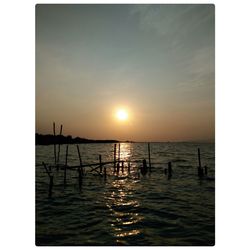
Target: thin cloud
(172, 19)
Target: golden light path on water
(121, 201)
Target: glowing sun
(122, 115)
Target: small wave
(179, 160)
(185, 166)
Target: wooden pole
(122, 166)
(79, 155)
(119, 151)
(58, 155)
(199, 157)
(114, 158)
(100, 160)
(54, 131)
(66, 163)
(80, 168)
(200, 170)
(169, 169)
(118, 168)
(149, 159)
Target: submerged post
(129, 167)
(205, 168)
(165, 171)
(114, 157)
(200, 170)
(50, 179)
(170, 169)
(144, 168)
(59, 141)
(54, 131)
(66, 163)
(122, 166)
(149, 159)
(80, 173)
(199, 157)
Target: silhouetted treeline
(51, 139)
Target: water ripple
(127, 209)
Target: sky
(156, 62)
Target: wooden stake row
(117, 164)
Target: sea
(127, 208)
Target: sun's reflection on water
(124, 209)
(125, 151)
(122, 203)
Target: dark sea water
(128, 209)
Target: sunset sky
(126, 72)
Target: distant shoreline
(51, 139)
(61, 139)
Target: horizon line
(133, 141)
